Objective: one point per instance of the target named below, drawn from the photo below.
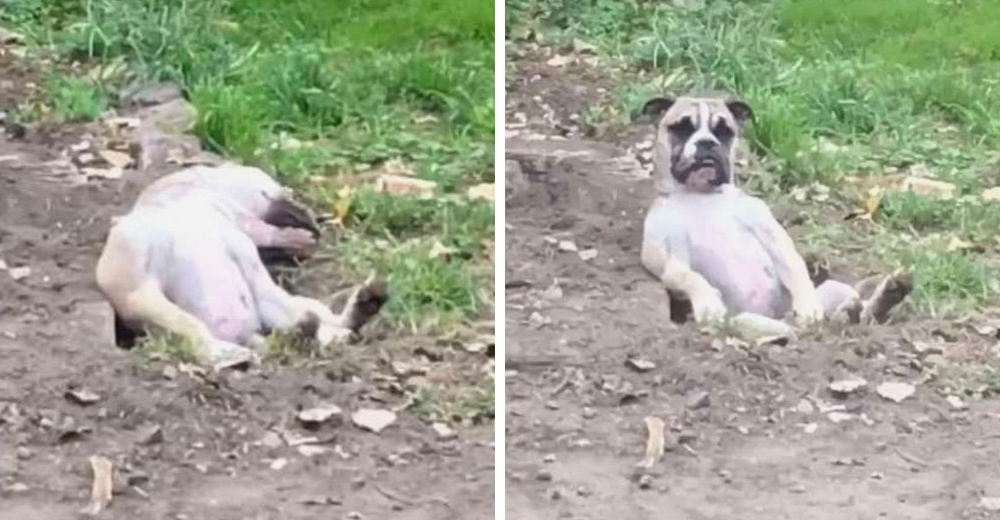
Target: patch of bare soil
(751, 432)
(187, 445)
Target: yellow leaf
(342, 205)
(872, 202)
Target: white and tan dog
(718, 250)
(187, 259)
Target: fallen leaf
(567, 246)
(103, 173)
(82, 397)
(655, 442)
(100, 491)
(19, 273)
(120, 160)
(957, 244)
(588, 254)
(443, 431)
(559, 60)
(342, 204)
(439, 250)
(640, 365)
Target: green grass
(890, 84)
(360, 82)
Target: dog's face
(696, 139)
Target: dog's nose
(705, 143)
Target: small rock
(956, 403)
(640, 365)
(990, 503)
(17, 487)
(19, 273)
(309, 450)
(805, 407)
(544, 475)
(271, 440)
(151, 435)
(552, 405)
(991, 194)
(929, 187)
(555, 494)
(102, 173)
(373, 420)
(82, 397)
(839, 417)
(550, 458)
(567, 246)
(845, 387)
(798, 488)
(810, 428)
(589, 413)
(699, 400)
(314, 417)
(583, 491)
(895, 391)
(485, 191)
(279, 464)
(169, 372)
(588, 254)
(559, 61)
(402, 185)
(582, 47)
(443, 431)
(23, 453)
(645, 482)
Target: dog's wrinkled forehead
(697, 111)
(701, 112)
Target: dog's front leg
(807, 306)
(676, 275)
(299, 241)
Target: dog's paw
(709, 307)
(299, 241)
(366, 302)
(807, 311)
(223, 355)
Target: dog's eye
(684, 127)
(723, 130)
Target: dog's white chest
(716, 235)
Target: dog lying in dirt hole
(188, 258)
(719, 251)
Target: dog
(188, 258)
(718, 250)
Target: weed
(455, 403)
(169, 344)
(76, 98)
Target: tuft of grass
(354, 86)
(470, 403)
(169, 344)
(75, 99)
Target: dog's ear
(653, 109)
(741, 111)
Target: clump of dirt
(752, 431)
(186, 444)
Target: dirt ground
(752, 432)
(187, 446)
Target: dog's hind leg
(139, 301)
(840, 301)
(882, 293)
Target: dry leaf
(119, 160)
(929, 187)
(400, 185)
(100, 492)
(655, 442)
(342, 206)
(991, 194)
(439, 250)
(485, 191)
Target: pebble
(895, 391)
(589, 413)
(645, 482)
(550, 458)
(313, 417)
(373, 420)
(567, 246)
(699, 400)
(544, 476)
(956, 403)
(443, 431)
(23, 453)
(279, 464)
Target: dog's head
(696, 140)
